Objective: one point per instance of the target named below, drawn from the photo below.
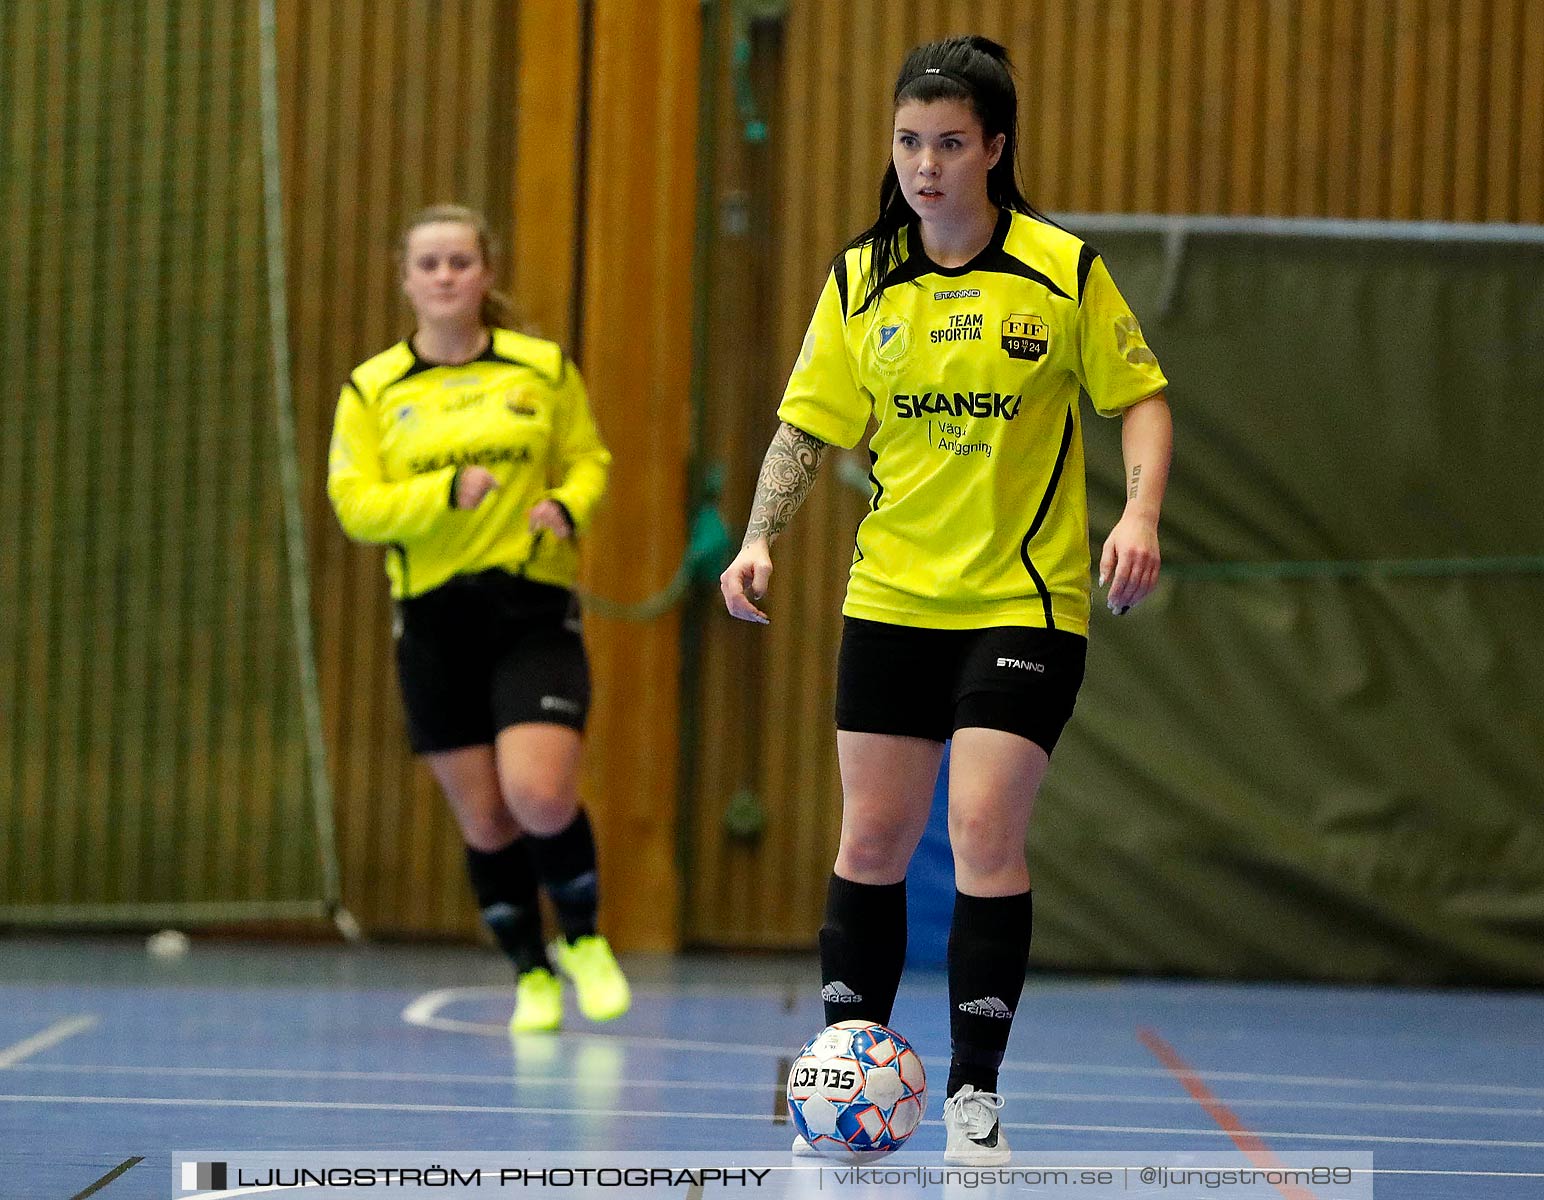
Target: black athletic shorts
(926, 683)
(486, 651)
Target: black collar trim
(992, 257)
(486, 354)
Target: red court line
(1258, 1153)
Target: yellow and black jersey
(979, 514)
(404, 426)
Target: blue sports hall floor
(111, 1061)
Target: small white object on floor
(167, 945)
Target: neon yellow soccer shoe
(538, 1002)
(592, 968)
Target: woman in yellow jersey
(964, 325)
(469, 451)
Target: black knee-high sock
(862, 949)
(566, 863)
(988, 955)
(504, 882)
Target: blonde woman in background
(469, 451)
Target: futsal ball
(856, 1086)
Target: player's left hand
(1130, 563)
(550, 515)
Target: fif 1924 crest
(1026, 336)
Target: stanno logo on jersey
(959, 294)
(962, 327)
(1026, 336)
(892, 342)
(1022, 664)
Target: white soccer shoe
(975, 1134)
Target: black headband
(944, 73)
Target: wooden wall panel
(1377, 108)
(549, 172)
(151, 751)
(1530, 115)
(640, 200)
(1382, 109)
(1345, 61)
(725, 889)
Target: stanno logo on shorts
(558, 704)
(1022, 664)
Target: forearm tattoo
(1136, 478)
(786, 475)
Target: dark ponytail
(976, 70)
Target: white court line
(51, 1036)
(424, 1012)
(1480, 1089)
(511, 1110)
(650, 1114)
(1299, 1135)
(1466, 1174)
(552, 1081)
(502, 1081)
(1444, 1110)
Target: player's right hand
(746, 580)
(472, 485)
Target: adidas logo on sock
(987, 1006)
(837, 992)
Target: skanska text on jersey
(957, 404)
(477, 456)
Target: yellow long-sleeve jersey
(403, 428)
